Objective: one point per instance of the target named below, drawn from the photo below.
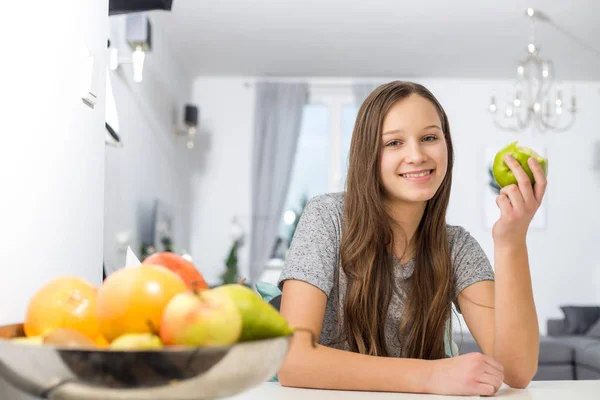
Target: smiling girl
(374, 271)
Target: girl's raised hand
(519, 203)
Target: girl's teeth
(417, 175)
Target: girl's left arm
(516, 330)
(501, 314)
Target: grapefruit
(132, 300)
(64, 302)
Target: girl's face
(414, 156)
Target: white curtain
(278, 118)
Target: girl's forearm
(327, 368)
(516, 342)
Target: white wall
(52, 148)
(221, 173)
(52, 151)
(153, 163)
(564, 265)
(563, 257)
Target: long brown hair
(367, 239)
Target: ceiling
(377, 38)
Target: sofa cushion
(577, 342)
(587, 350)
(578, 319)
(594, 331)
(555, 327)
(590, 357)
(583, 373)
(552, 350)
(555, 372)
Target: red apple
(205, 318)
(182, 267)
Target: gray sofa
(570, 351)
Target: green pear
(260, 320)
(136, 341)
(504, 175)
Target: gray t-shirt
(313, 257)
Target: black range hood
(116, 7)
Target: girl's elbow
(518, 383)
(288, 375)
(521, 379)
(285, 378)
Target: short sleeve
(313, 253)
(470, 262)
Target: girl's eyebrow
(402, 130)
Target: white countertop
(538, 390)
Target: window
(321, 161)
(348, 116)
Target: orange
(182, 267)
(65, 302)
(132, 300)
(101, 342)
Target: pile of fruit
(163, 302)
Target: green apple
(205, 318)
(136, 341)
(260, 320)
(503, 174)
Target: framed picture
(490, 190)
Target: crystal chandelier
(535, 104)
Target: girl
(373, 272)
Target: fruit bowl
(53, 372)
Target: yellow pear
(33, 340)
(136, 341)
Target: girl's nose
(415, 154)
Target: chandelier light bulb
(545, 69)
(537, 100)
(492, 106)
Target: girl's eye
(393, 143)
(429, 138)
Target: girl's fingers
(491, 380)
(522, 179)
(503, 204)
(514, 195)
(540, 179)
